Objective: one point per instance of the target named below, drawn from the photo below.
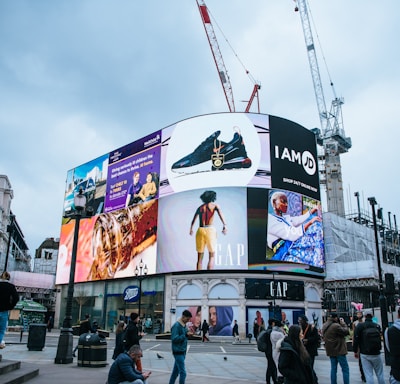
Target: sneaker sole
(202, 167)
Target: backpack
(372, 342)
(264, 341)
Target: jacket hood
(224, 319)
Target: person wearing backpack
(392, 341)
(367, 345)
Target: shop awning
(30, 306)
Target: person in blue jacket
(179, 336)
(221, 321)
(123, 369)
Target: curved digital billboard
(228, 191)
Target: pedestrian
(311, 337)
(359, 319)
(179, 336)
(271, 368)
(392, 341)
(84, 327)
(50, 323)
(294, 360)
(277, 336)
(124, 368)
(8, 299)
(133, 336)
(204, 330)
(367, 346)
(235, 331)
(256, 329)
(119, 339)
(95, 326)
(334, 332)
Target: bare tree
(81, 298)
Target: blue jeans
(371, 363)
(342, 360)
(179, 369)
(3, 324)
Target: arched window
(223, 291)
(189, 291)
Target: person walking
(84, 327)
(204, 330)
(50, 323)
(133, 336)
(235, 332)
(367, 346)
(359, 319)
(179, 336)
(8, 299)
(294, 360)
(124, 368)
(271, 372)
(392, 342)
(277, 336)
(310, 337)
(334, 332)
(119, 339)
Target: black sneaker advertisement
(293, 158)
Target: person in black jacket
(204, 330)
(8, 299)
(310, 337)
(133, 336)
(294, 360)
(84, 327)
(371, 359)
(392, 341)
(271, 372)
(119, 340)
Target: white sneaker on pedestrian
(2, 345)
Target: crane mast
(332, 135)
(218, 59)
(219, 62)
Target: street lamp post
(140, 274)
(10, 230)
(65, 342)
(357, 195)
(382, 297)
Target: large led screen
(197, 195)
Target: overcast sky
(79, 78)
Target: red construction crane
(219, 62)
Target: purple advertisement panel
(202, 229)
(133, 173)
